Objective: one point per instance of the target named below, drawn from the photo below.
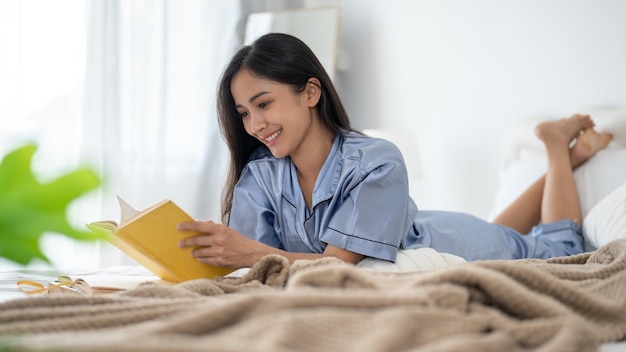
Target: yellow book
(150, 237)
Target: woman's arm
(222, 246)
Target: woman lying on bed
(304, 185)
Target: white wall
(458, 73)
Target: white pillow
(607, 220)
(600, 176)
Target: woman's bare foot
(563, 131)
(578, 127)
(588, 144)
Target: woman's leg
(554, 196)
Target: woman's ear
(313, 91)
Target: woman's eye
(243, 115)
(262, 105)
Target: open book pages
(109, 226)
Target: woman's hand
(220, 245)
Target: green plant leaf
(28, 208)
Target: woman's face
(273, 113)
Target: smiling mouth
(272, 136)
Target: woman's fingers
(195, 241)
(219, 245)
(207, 228)
(201, 226)
(203, 252)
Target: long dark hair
(284, 59)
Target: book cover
(150, 237)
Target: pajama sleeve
(372, 217)
(252, 214)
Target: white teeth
(273, 136)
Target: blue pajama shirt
(361, 203)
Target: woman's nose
(258, 123)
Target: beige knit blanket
(564, 304)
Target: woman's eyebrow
(253, 98)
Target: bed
(426, 301)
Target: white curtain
(152, 70)
(127, 87)
(42, 65)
